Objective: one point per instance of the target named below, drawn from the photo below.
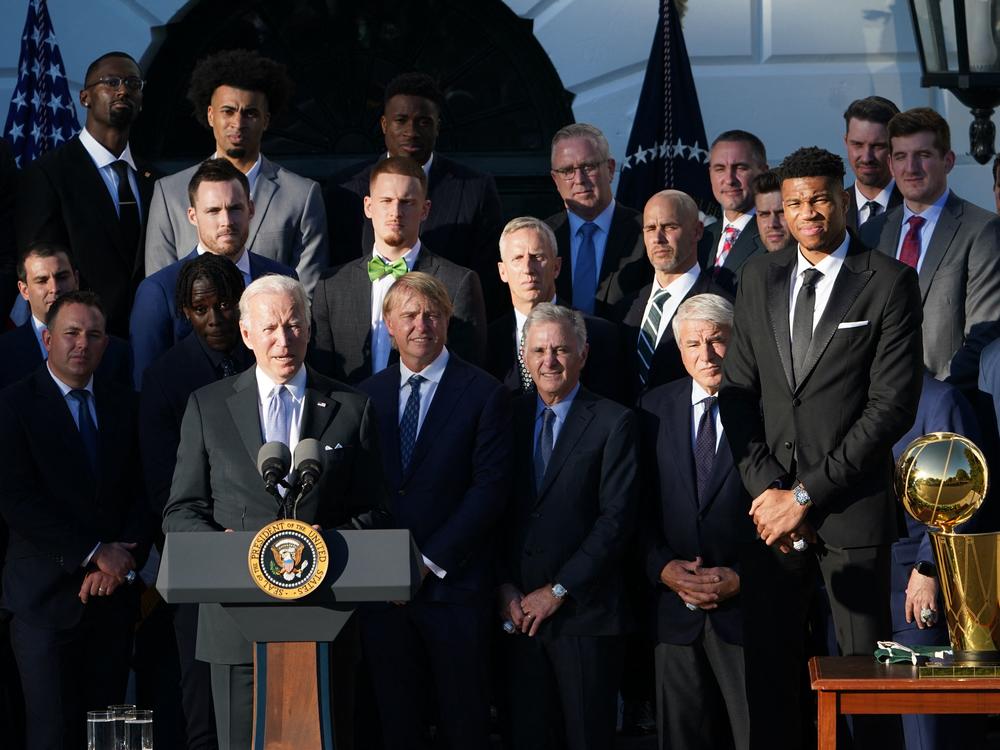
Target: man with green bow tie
(350, 341)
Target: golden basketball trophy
(941, 479)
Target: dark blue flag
(667, 147)
(41, 114)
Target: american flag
(41, 114)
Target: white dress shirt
(882, 199)
(739, 225)
(603, 222)
(296, 389)
(103, 159)
(519, 320)
(931, 214)
(678, 289)
(561, 410)
(829, 267)
(38, 326)
(242, 263)
(251, 176)
(698, 394)
(381, 342)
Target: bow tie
(377, 268)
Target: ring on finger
(928, 615)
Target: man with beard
(770, 212)
(89, 195)
(867, 139)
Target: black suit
(62, 198)
(20, 356)
(834, 432)
(895, 199)
(624, 268)
(451, 498)
(573, 529)
(72, 657)
(747, 245)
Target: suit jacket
(62, 198)
(601, 374)
(155, 325)
(453, 493)
(833, 430)
(677, 526)
(342, 315)
(895, 199)
(216, 485)
(288, 225)
(57, 510)
(624, 268)
(959, 285)
(575, 528)
(747, 245)
(20, 356)
(666, 365)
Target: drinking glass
(120, 710)
(139, 730)
(100, 730)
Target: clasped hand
(114, 561)
(700, 587)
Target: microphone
(273, 461)
(308, 464)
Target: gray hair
(546, 312)
(584, 130)
(537, 225)
(708, 307)
(273, 283)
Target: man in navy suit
(444, 428)
(221, 211)
(563, 558)
(697, 526)
(79, 527)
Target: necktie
(228, 366)
(585, 272)
(377, 268)
(128, 209)
(527, 384)
(543, 451)
(802, 320)
(648, 332)
(88, 430)
(873, 210)
(910, 252)
(704, 447)
(276, 419)
(408, 424)
(729, 236)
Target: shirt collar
(101, 156)
(830, 264)
(253, 172)
(603, 220)
(561, 409)
(882, 198)
(433, 372)
(520, 319)
(698, 394)
(296, 386)
(740, 223)
(242, 263)
(65, 389)
(931, 213)
(410, 256)
(682, 284)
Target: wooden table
(860, 685)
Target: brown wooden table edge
(871, 677)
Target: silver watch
(559, 591)
(800, 494)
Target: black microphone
(308, 463)
(273, 461)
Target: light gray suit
(289, 222)
(959, 285)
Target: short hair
(417, 282)
(546, 312)
(708, 307)
(583, 130)
(40, 249)
(766, 182)
(921, 120)
(812, 161)
(536, 225)
(273, 283)
(414, 84)
(76, 297)
(401, 165)
(871, 109)
(221, 272)
(216, 170)
(93, 66)
(241, 69)
(757, 150)
(687, 204)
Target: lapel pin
(321, 403)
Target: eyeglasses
(588, 168)
(114, 82)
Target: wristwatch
(801, 496)
(559, 591)
(925, 568)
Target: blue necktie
(585, 273)
(543, 451)
(276, 418)
(704, 447)
(408, 424)
(88, 430)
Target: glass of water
(139, 730)
(120, 710)
(101, 730)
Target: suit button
(788, 445)
(795, 402)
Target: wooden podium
(291, 637)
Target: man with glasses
(90, 195)
(600, 241)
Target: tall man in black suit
(821, 377)
(529, 266)
(696, 529)
(79, 527)
(89, 195)
(735, 158)
(444, 427)
(600, 240)
(564, 544)
(352, 341)
(216, 485)
(874, 192)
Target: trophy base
(957, 671)
(976, 658)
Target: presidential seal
(288, 559)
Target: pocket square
(853, 324)
(337, 447)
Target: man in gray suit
(953, 245)
(351, 338)
(217, 487)
(235, 93)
